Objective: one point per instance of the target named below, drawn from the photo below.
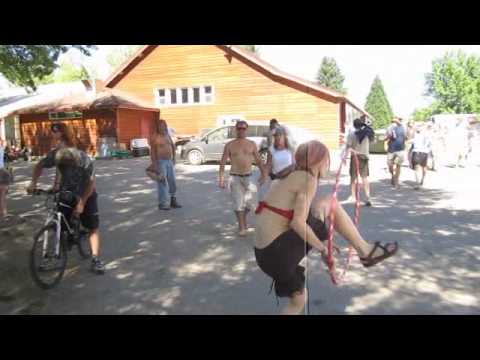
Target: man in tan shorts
(396, 137)
(242, 154)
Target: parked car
(140, 147)
(209, 147)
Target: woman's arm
(301, 210)
(286, 171)
(269, 162)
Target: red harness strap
(288, 214)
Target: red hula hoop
(333, 205)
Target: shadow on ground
(189, 261)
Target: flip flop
(370, 260)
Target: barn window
(208, 94)
(161, 97)
(196, 95)
(173, 96)
(184, 95)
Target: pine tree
(378, 106)
(330, 76)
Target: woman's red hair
(310, 154)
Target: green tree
(252, 48)
(330, 76)
(423, 114)
(378, 106)
(23, 65)
(455, 83)
(66, 72)
(118, 55)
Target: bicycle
(48, 257)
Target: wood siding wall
(35, 129)
(239, 90)
(130, 125)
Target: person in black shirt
(75, 173)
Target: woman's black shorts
(419, 158)
(280, 260)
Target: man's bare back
(242, 155)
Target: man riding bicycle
(75, 174)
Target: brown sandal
(371, 261)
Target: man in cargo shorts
(359, 142)
(242, 153)
(396, 137)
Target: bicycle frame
(54, 216)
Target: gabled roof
(69, 97)
(15, 99)
(253, 61)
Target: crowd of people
(292, 218)
(289, 222)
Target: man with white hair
(76, 174)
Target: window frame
(158, 98)
(167, 98)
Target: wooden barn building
(196, 87)
(91, 114)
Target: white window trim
(158, 97)
(179, 103)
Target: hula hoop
(333, 205)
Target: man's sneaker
(163, 207)
(97, 266)
(368, 203)
(174, 204)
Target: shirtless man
(162, 154)
(242, 154)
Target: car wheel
(195, 157)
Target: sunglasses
(241, 128)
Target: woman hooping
(290, 223)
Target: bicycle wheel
(83, 244)
(46, 266)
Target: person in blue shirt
(396, 137)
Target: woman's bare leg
(343, 225)
(366, 187)
(296, 304)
